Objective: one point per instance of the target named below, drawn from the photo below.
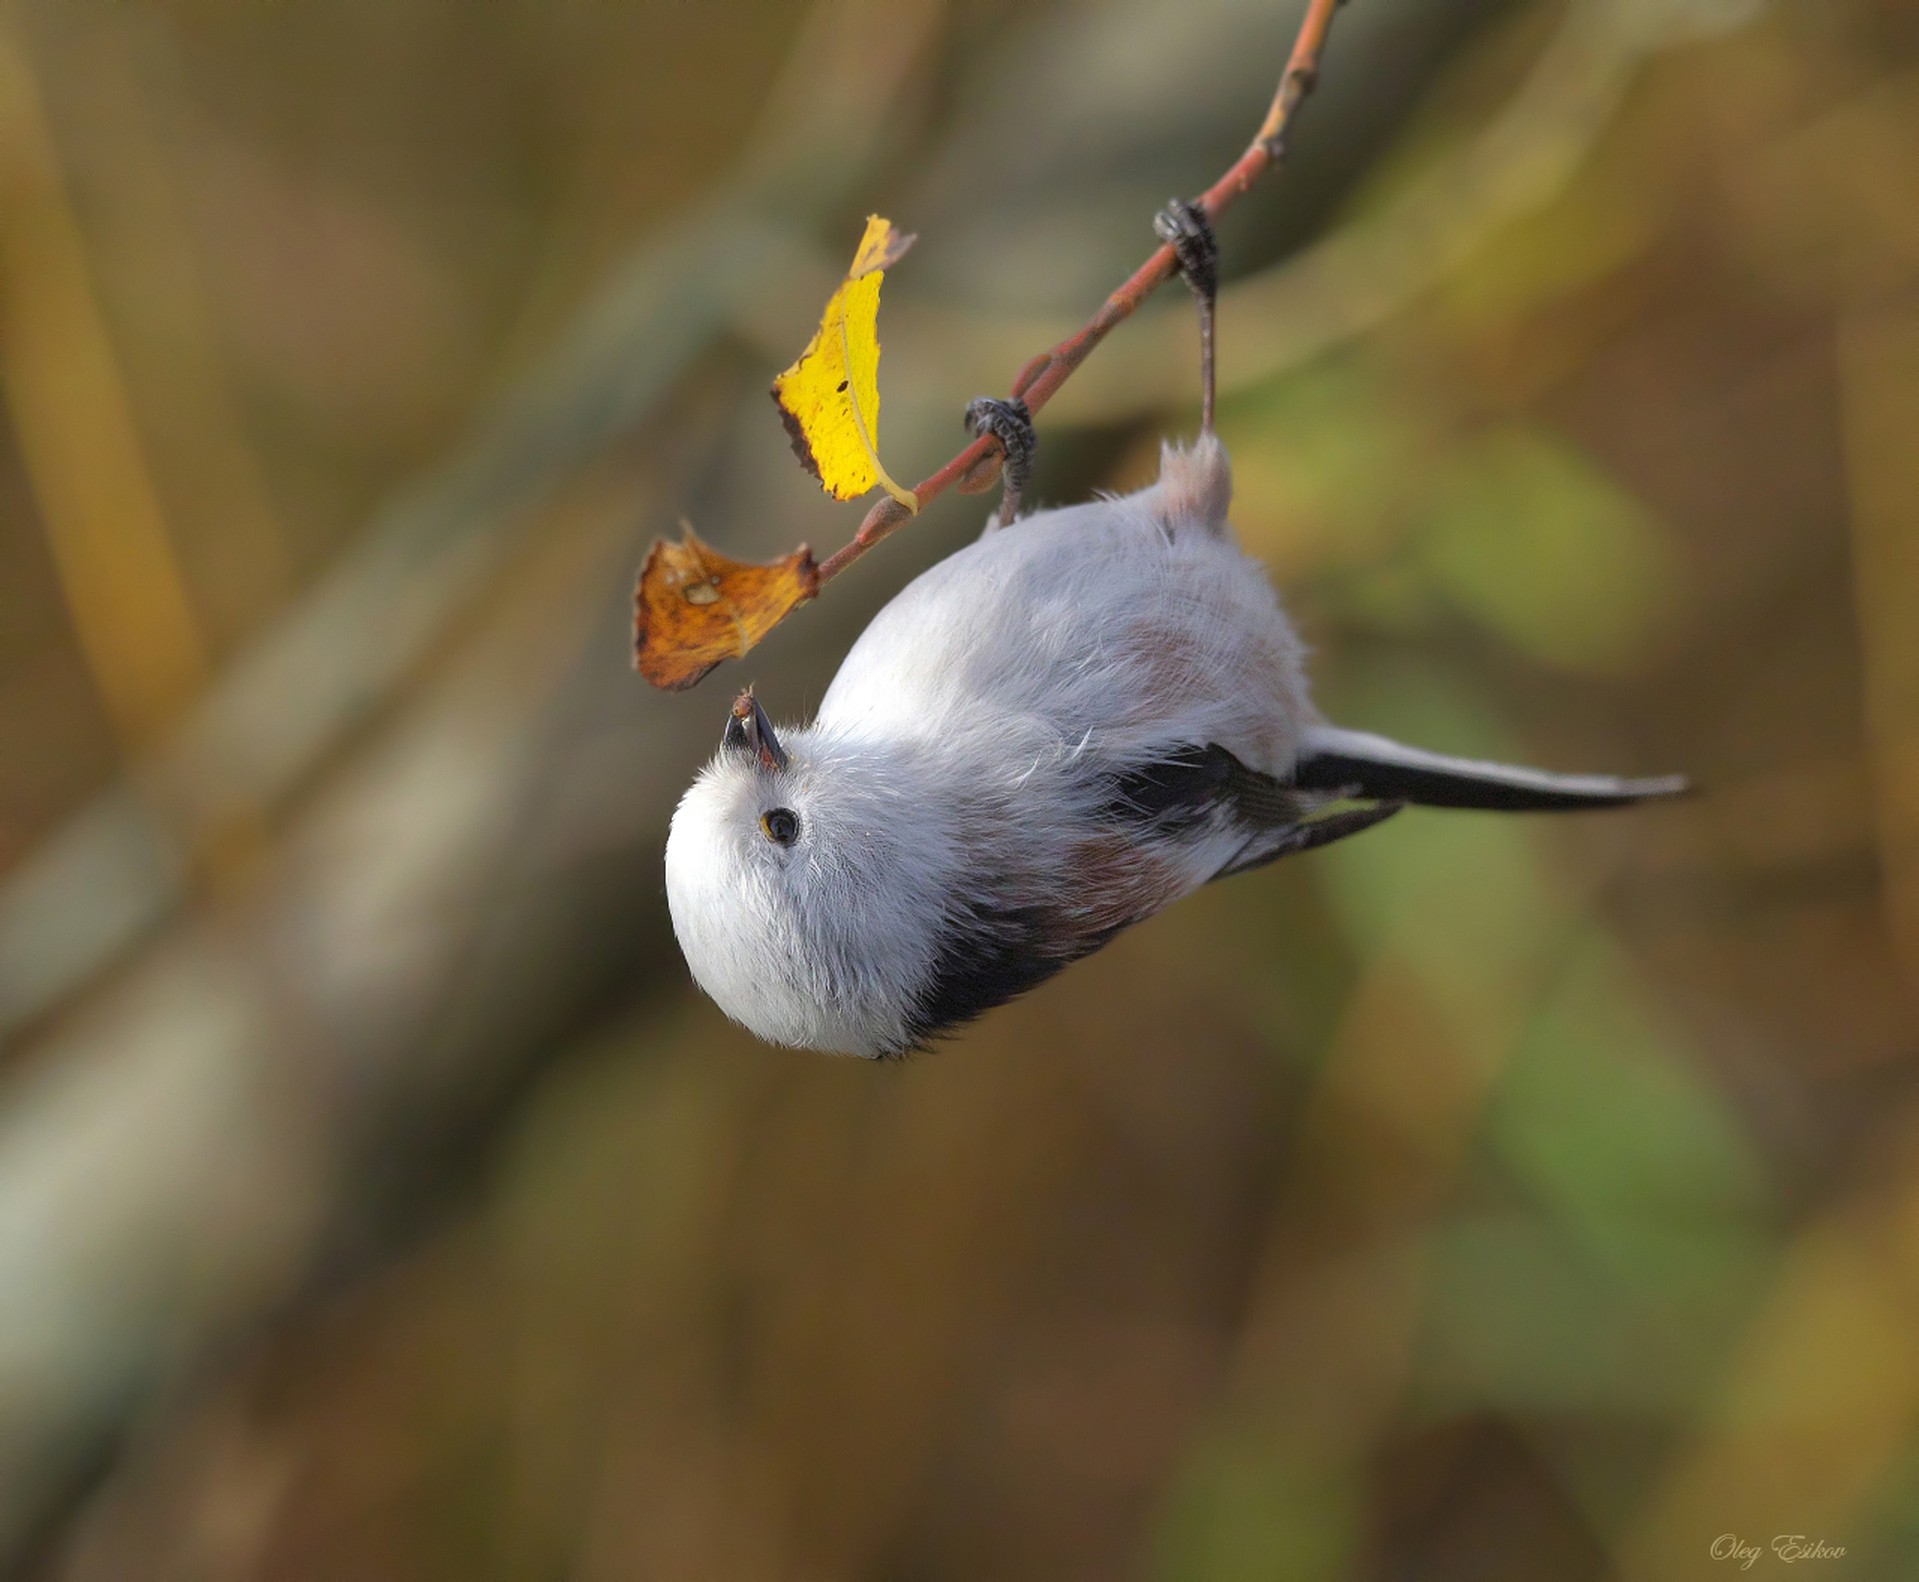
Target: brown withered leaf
(694, 607)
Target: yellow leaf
(830, 398)
(694, 607)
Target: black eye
(782, 826)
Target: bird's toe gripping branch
(1011, 424)
(1190, 232)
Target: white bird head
(798, 871)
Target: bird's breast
(1096, 625)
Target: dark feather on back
(989, 955)
(1189, 785)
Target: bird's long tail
(1354, 763)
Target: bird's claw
(1186, 226)
(1009, 422)
(1187, 229)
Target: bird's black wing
(1189, 786)
(1193, 786)
(990, 949)
(988, 955)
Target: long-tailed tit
(1053, 733)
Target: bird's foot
(1011, 424)
(1190, 233)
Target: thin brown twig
(1041, 377)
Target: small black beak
(748, 730)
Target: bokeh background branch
(377, 1200)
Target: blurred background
(1482, 1199)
